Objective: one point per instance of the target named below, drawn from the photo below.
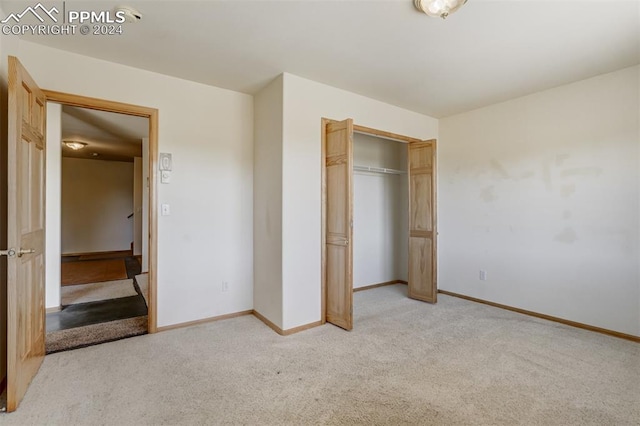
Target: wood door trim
(205, 320)
(383, 134)
(152, 115)
(323, 220)
(288, 331)
(546, 317)
(384, 284)
(98, 104)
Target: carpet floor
(80, 337)
(405, 362)
(83, 293)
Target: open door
(26, 226)
(422, 221)
(338, 149)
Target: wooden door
(422, 221)
(338, 149)
(26, 225)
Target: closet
(395, 220)
(380, 211)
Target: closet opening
(378, 216)
(380, 212)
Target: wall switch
(225, 286)
(483, 275)
(165, 176)
(165, 161)
(165, 210)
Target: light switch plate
(165, 177)
(165, 161)
(165, 210)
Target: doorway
(338, 214)
(148, 245)
(101, 293)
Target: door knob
(9, 253)
(25, 251)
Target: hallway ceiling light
(438, 8)
(74, 145)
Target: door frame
(152, 115)
(323, 209)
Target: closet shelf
(379, 170)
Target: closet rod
(379, 170)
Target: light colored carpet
(79, 337)
(92, 271)
(143, 283)
(84, 293)
(405, 362)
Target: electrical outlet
(483, 275)
(225, 286)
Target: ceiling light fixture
(129, 13)
(74, 145)
(438, 8)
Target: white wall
(380, 212)
(208, 237)
(53, 198)
(267, 198)
(145, 205)
(542, 192)
(137, 207)
(97, 197)
(305, 103)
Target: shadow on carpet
(94, 334)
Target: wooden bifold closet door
(422, 221)
(339, 223)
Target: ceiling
(113, 137)
(489, 51)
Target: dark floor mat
(80, 337)
(89, 313)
